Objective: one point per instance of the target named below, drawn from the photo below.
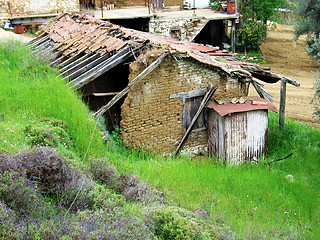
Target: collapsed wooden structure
(135, 72)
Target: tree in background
(254, 14)
(309, 24)
(262, 10)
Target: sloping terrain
(289, 58)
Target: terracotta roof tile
(85, 33)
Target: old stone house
(150, 85)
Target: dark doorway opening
(140, 24)
(87, 4)
(213, 33)
(100, 91)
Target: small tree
(259, 9)
(251, 35)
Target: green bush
(177, 223)
(313, 47)
(251, 35)
(48, 132)
(215, 4)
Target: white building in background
(197, 3)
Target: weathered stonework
(166, 3)
(176, 28)
(33, 7)
(153, 121)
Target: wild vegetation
(309, 12)
(59, 180)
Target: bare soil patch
(288, 57)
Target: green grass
(31, 91)
(255, 199)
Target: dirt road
(289, 58)
(8, 35)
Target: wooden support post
(282, 107)
(233, 36)
(203, 104)
(121, 94)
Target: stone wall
(176, 28)
(128, 3)
(34, 7)
(153, 121)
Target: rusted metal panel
(253, 103)
(257, 129)
(237, 137)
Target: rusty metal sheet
(253, 103)
(204, 49)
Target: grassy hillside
(55, 179)
(277, 201)
(280, 201)
(31, 91)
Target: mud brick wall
(25, 7)
(164, 26)
(153, 121)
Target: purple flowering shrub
(43, 197)
(128, 185)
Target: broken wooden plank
(105, 94)
(261, 91)
(203, 104)
(282, 107)
(292, 82)
(267, 76)
(140, 76)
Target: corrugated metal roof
(253, 103)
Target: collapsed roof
(84, 48)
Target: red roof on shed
(253, 103)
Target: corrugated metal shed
(238, 132)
